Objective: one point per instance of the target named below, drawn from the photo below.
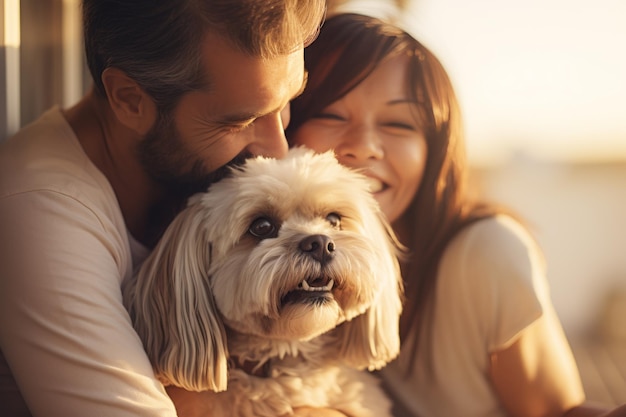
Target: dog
(275, 289)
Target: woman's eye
(330, 116)
(334, 219)
(401, 126)
(263, 228)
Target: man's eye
(236, 128)
(334, 219)
(263, 228)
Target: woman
(479, 334)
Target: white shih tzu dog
(274, 289)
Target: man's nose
(269, 140)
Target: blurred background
(542, 85)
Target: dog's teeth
(306, 287)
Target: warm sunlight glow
(10, 49)
(545, 78)
(11, 25)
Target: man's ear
(132, 106)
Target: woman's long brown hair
(348, 49)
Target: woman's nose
(361, 143)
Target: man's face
(242, 114)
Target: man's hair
(157, 42)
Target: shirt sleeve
(505, 280)
(63, 329)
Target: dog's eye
(334, 219)
(263, 228)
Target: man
(182, 89)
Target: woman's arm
(537, 375)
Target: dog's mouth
(314, 290)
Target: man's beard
(166, 160)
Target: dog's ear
(372, 339)
(173, 310)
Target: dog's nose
(320, 247)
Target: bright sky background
(542, 77)
(545, 78)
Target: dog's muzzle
(314, 289)
(319, 247)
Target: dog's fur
(220, 304)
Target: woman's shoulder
(495, 269)
(493, 239)
(500, 227)
(497, 253)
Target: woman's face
(374, 128)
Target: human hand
(324, 412)
(616, 412)
(193, 404)
(204, 404)
(594, 410)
